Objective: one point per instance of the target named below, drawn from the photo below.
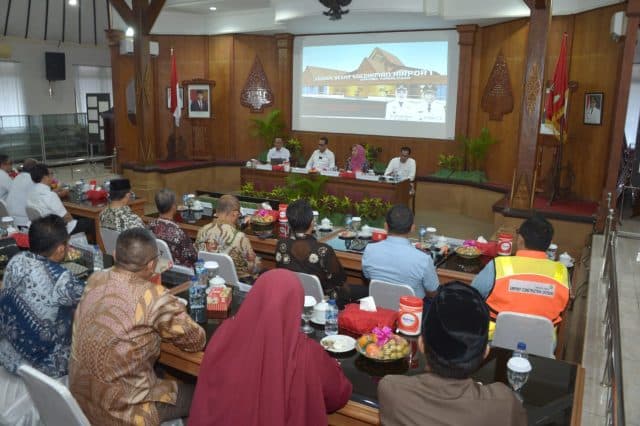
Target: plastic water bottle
(197, 301)
(200, 272)
(98, 263)
(521, 351)
(331, 319)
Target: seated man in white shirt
(20, 189)
(403, 167)
(43, 200)
(5, 179)
(322, 158)
(278, 152)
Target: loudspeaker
(618, 26)
(55, 66)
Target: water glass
(518, 370)
(347, 221)
(422, 234)
(307, 313)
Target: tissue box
(355, 322)
(347, 175)
(218, 302)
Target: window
(11, 92)
(91, 79)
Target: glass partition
(48, 138)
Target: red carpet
(572, 210)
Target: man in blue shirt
(395, 260)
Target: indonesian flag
(176, 104)
(558, 95)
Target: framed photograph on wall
(199, 100)
(180, 97)
(593, 103)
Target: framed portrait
(593, 103)
(180, 97)
(199, 100)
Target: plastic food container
(410, 315)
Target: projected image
(382, 81)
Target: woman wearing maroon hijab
(260, 369)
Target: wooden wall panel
(595, 66)
(227, 59)
(245, 49)
(191, 53)
(220, 68)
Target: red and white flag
(176, 102)
(556, 106)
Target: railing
(612, 375)
(48, 138)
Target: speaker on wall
(55, 66)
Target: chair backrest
(32, 213)
(165, 253)
(54, 401)
(4, 211)
(536, 331)
(109, 238)
(387, 295)
(311, 285)
(227, 267)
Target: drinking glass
(518, 370)
(347, 221)
(422, 234)
(307, 313)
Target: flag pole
(557, 175)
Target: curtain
(91, 79)
(11, 93)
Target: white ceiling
(263, 16)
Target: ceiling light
(73, 2)
(213, 8)
(129, 32)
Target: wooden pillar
(284, 44)
(466, 39)
(141, 17)
(620, 111)
(522, 189)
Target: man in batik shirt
(118, 215)
(37, 302)
(223, 236)
(164, 228)
(119, 325)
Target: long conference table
(354, 189)
(553, 392)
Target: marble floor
(627, 267)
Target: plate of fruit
(382, 345)
(468, 252)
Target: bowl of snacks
(382, 345)
(262, 221)
(468, 252)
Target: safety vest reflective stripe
(529, 285)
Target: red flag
(558, 96)
(176, 103)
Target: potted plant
(268, 128)
(295, 149)
(468, 166)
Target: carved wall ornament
(497, 98)
(532, 88)
(256, 93)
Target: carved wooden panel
(497, 98)
(256, 93)
(199, 143)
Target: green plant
(449, 161)
(371, 209)
(279, 193)
(372, 153)
(475, 149)
(268, 127)
(304, 187)
(248, 189)
(344, 206)
(295, 148)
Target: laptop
(277, 161)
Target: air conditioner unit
(618, 25)
(126, 47)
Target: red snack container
(218, 302)
(505, 244)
